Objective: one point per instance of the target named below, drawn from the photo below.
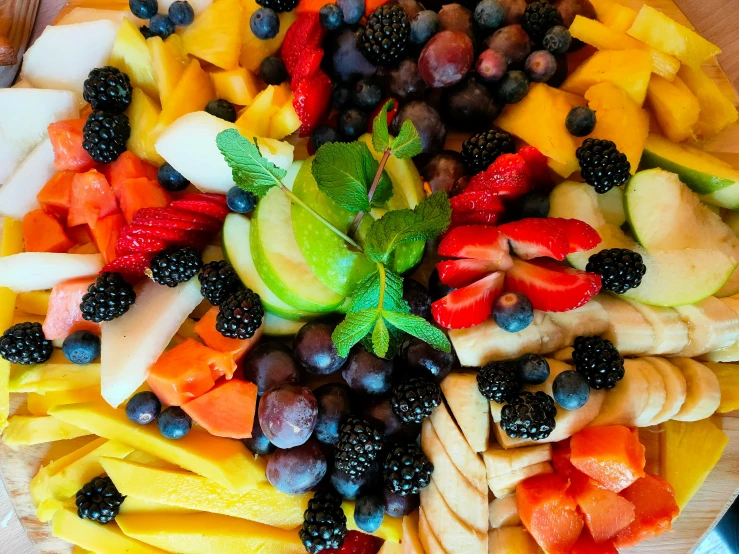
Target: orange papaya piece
(655, 508)
(63, 316)
(127, 166)
(141, 193)
(56, 196)
(42, 232)
(105, 234)
(561, 458)
(206, 330)
(226, 410)
(605, 512)
(92, 199)
(66, 140)
(586, 545)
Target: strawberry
(167, 234)
(215, 198)
(131, 244)
(478, 242)
(205, 207)
(580, 235)
(356, 543)
(305, 34)
(535, 238)
(538, 167)
(311, 101)
(460, 273)
(131, 266)
(551, 287)
(507, 176)
(470, 305)
(173, 224)
(474, 218)
(179, 215)
(308, 65)
(475, 201)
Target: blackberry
(99, 500)
(386, 34)
(358, 445)
(538, 18)
(104, 135)
(482, 149)
(279, 5)
(530, 415)
(107, 298)
(175, 265)
(108, 89)
(240, 315)
(218, 281)
(25, 343)
(602, 165)
(599, 361)
(415, 399)
(406, 469)
(324, 523)
(621, 269)
(499, 381)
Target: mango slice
(34, 302)
(28, 430)
(39, 404)
(56, 374)
(133, 505)
(728, 381)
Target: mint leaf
(407, 144)
(367, 293)
(380, 134)
(340, 169)
(354, 327)
(251, 171)
(384, 190)
(380, 338)
(419, 328)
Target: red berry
(460, 273)
(205, 221)
(475, 201)
(219, 199)
(470, 305)
(130, 266)
(305, 34)
(390, 113)
(535, 238)
(308, 65)
(311, 100)
(205, 207)
(477, 242)
(131, 244)
(483, 217)
(580, 235)
(538, 167)
(507, 176)
(170, 235)
(357, 543)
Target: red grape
(446, 58)
(287, 415)
(315, 350)
(269, 364)
(368, 374)
(334, 406)
(511, 41)
(297, 470)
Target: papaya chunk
(105, 233)
(586, 545)
(139, 193)
(92, 199)
(56, 196)
(605, 512)
(66, 141)
(655, 508)
(42, 232)
(128, 166)
(63, 315)
(227, 410)
(206, 330)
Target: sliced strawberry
(311, 101)
(460, 273)
(204, 207)
(474, 218)
(538, 166)
(551, 287)
(356, 543)
(475, 201)
(305, 34)
(470, 305)
(131, 266)
(580, 235)
(536, 238)
(219, 199)
(507, 176)
(129, 244)
(167, 234)
(308, 65)
(478, 242)
(180, 215)
(174, 224)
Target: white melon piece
(628, 330)
(189, 145)
(703, 390)
(711, 325)
(657, 390)
(675, 389)
(63, 56)
(504, 512)
(670, 331)
(83, 15)
(627, 400)
(198, 6)
(29, 271)
(469, 408)
(133, 342)
(25, 114)
(18, 196)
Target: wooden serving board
(16, 23)
(697, 519)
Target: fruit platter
(369, 277)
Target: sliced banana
(675, 389)
(711, 325)
(728, 353)
(551, 336)
(657, 393)
(629, 331)
(469, 408)
(704, 393)
(588, 320)
(487, 342)
(411, 541)
(499, 461)
(455, 536)
(670, 332)
(627, 400)
(429, 541)
(504, 512)
(505, 484)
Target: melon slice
(29, 271)
(18, 196)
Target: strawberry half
(460, 273)
(475, 201)
(308, 65)
(131, 266)
(213, 197)
(311, 100)
(474, 218)
(356, 543)
(167, 234)
(131, 244)
(536, 238)
(507, 176)
(551, 287)
(478, 242)
(146, 214)
(579, 234)
(305, 34)
(470, 305)
(538, 167)
(204, 207)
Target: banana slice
(499, 461)
(551, 336)
(590, 319)
(711, 325)
(728, 353)
(675, 389)
(455, 536)
(704, 394)
(629, 331)
(670, 332)
(627, 400)
(411, 542)
(429, 541)
(469, 408)
(512, 540)
(657, 393)
(487, 342)
(463, 499)
(459, 450)
(504, 512)
(503, 485)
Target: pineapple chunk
(239, 86)
(28, 430)
(603, 38)
(690, 450)
(674, 106)
(56, 374)
(39, 404)
(215, 35)
(390, 530)
(10, 243)
(716, 110)
(659, 31)
(254, 50)
(169, 62)
(35, 302)
(629, 70)
(614, 15)
(131, 55)
(143, 113)
(284, 122)
(728, 381)
(254, 122)
(193, 91)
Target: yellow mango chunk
(390, 530)
(28, 430)
(254, 121)
(263, 503)
(239, 86)
(133, 505)
(39, 404)
(193, 91)
(716, 110)
(10, 243)
(95, 537)
(225, 461)
(168, 61)
(80, 550)
(674, 106)
(215, 35)
(56, 374)
(614, 15)
(208, 534)
(36, 302)
(284, 122)
(131, 55)
(254, 50)
(690, 450)
(728, 380)
(143, 114)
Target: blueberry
(331, 16)
(571, 390)
(323, 135)
(222, 109)
(366, 94)
(534, 369)
(580, 121)
(534, 204)
(513, 312)
(490, 15)
(143, 407)
(272, 70)
(540, 66)
(557, 40)
(181, 13)
(146, 32)
(174, 423)
(240, 201)
(424, 26)
(341, 97)
(171, 179)
(143, 9)
(349, 487)
(352, 124)
(161, 26)
(264, 23)
(369, 511)
(513, 87)
(353, 10)
(81, 347)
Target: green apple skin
(276, 326)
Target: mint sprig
(380, 134)
(407, 144)
(251, 171)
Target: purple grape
(511, 41)
(334, 406)
(425, 359)
(258, 443)
(455, 17)
(269, 364)
(470, 105)
(399, 506)
(366, 373)
(416, 295)
(443, 170)
(288, 414)
(405, 82)
(514, 10)
(446, 58)
(411, 7)
(571, 8)
(380, 413)
(491, 66)
(297, 470)
(427, 122)
(315, 350)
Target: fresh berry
(397, 505)
(470, 305)
(161, 26)
(174, 423)
(557, 40)
(334, 402)
(482, 149)
(508, 176)
(241, 201)
(414, 399)
(109, 297)
(222, 109)
(353, 10)
(324, 135)
(311, 101)
(99, 500)
(171, 179)
(417, 297)
(264, 23)
(476, 202)
(81, 347)
(513, 87)
(143, 9)
(530, 415)
(369, 511)
(536, 238)
(202, 206)
(513, 312)
(534, 369)
(324, 525)
(538, 167)
(599, 361)
(309, 63)
(108, 89)
(315, 350)
(272, 71)
(580, 235)
(437, 289)
(240, 315)
(143, 407)
(491, 66)
(427, 360)
(621, 269)
(551, 287)
(352, 124)
(476, 242)
(280, 6)
(305, 34)
(332, 16)
(481, 217)
(105, 135)
(170, 236)
(349, 486)
(447, 58)
(499, 381)
(175, 265)
(490, 15)
(540, 66)
(428, 123)
(538, 18)
(146, 32)
(460, 273)
(423, 27)
(580, 121)
(571, 390)
(218, 281)
(25, 343)
(405, 82)
(137, 244)
(366, 94)
(130, 266)
(181, 13)
(470, 105)
(358, 446)
(341, 97)
(168, 217)
(602, 165)
(406, 469)
(385, 36)
(511, 41)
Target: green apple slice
(276, 326)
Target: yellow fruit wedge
(28, 430)
(254, 50)
(614, 15)
(94, 537)
(39, 404)
(629, 70)
(263, 503)
(239, 86)
(728, 381)
(390, 530)
(654, 28)
(35, 302)
(254, 122)
(690, 450)
(143, 114)
(215, 35)
(602, 37)
(209, 534)
(284, 122)
(134, 505)
(193, 91)
(56, 374)
(131, 55)
(169, 62)
(674, 106)
(716, 110)
(225, 461)
(10, 243)
(80, 550)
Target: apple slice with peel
(703, 390)
(454, 535)
(18, 196)
(627, 400)
(657, 390)
(29, 271)
(469, 408)
(675, 389)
